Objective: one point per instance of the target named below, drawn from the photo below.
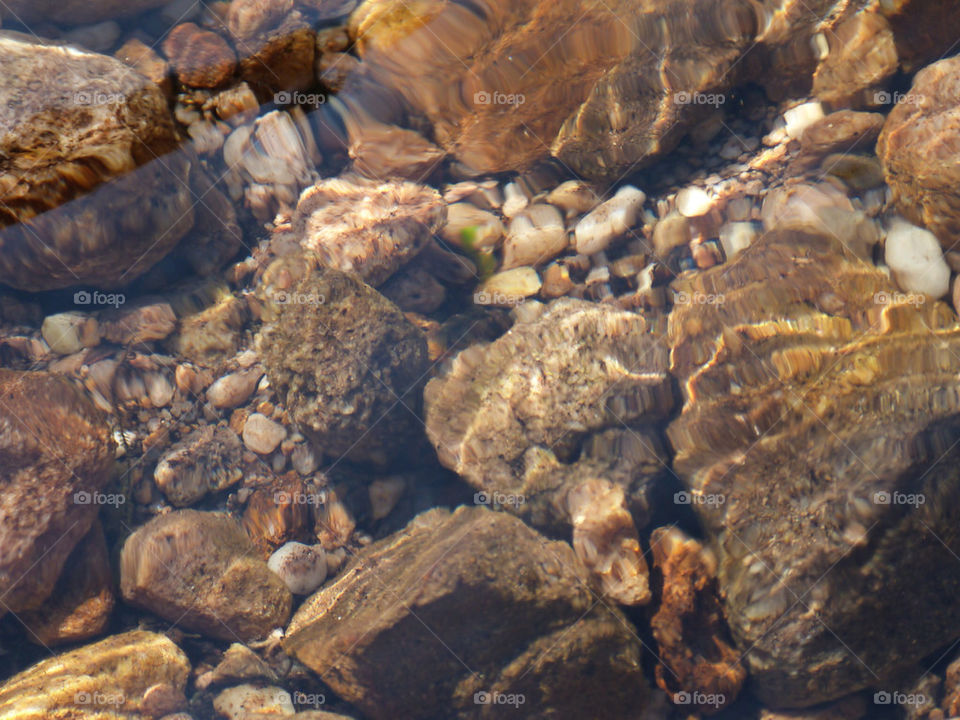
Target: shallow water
(538, 359)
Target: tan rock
(206, 460)
(146, 61)
(534, 237)
(200, 571)
(138, 324)
(262, 435)
(104, 680)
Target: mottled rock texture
(70, 121)
(207, 460)
(102, 681)
(348, 366)
(369, 228)
(200, 571)
(464, 603)
(919, 146)
(501, 88)
(499, 410)
(55, 455)
(79, 606)
(819, 442)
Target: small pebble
(801, 117)
(735, 237)
(509, 287)
(234, 389)
(248, 702)
(693, 202)
(261, 434)
(69, 332)
(384, 494)
(534, 237)
(303, 568)
(609, 220)
(672, 231)
(514, 200)
(916, 260)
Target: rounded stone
(303, 568)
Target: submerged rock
(370, 228)
(513, 415)
(918, 148)
(79, 606)
(56, 455)
(112, 678)
(465, 612)
(74, 12)
(346, 363)
(207, 460)
(819, 442)
(619, 85)
(85, 198)
(200, 571)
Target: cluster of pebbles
(376, 324)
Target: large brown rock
(348, 366)
(56, 454)
(919, 146)
(200, 571)
(551, 421)
(92, 193)
(470, 613)
(819, 442)
(123, 676)
(602, 86)
(79, 606)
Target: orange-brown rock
(146, 61)
(698, 665)
(502, 89)
(925, 30)
(279, 60)
(279, 512)
(80, 605)
(818, 440)
(199, 58)
(918, 148)
(56, 455)
(90, 192)
(861, 56)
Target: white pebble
(70, 332)
(246, 702)
(534, 236)
(261, 434)
(609, 220)
(303, 568)
(801, 117)
(514, 199)
(509, 287)
(916, 260)
(693, 202)
(234, 389)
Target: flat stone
(201, 571)
(389, 633)
(107, 679)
